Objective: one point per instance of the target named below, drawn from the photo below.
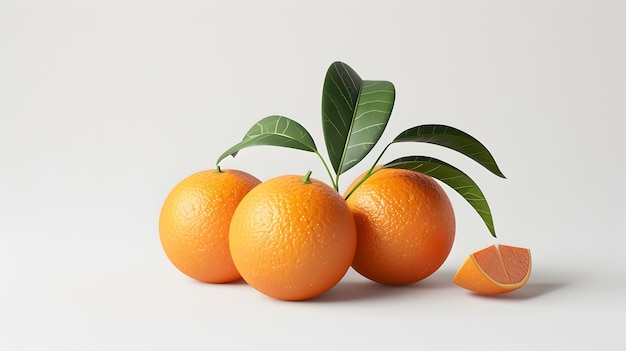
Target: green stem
(307, 178)
(368, 174)
(218, 169)
(380, 156)
(330, 175)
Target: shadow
(527, 292)
(441, 279)
(360, 288)
(239, 281)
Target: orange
(194, 223)
(292, 238)
(405, 226)
(496, 269)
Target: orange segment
(496, 269)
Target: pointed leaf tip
(454, 139)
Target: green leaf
(274, 131)
(451, 176)
(355, 113)
(454, 139)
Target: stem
(330, 175)
(368, 174)
(380, 156)
(218, 169)
(307, 178)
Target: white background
(105, 106)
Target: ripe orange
(405, 226)
(194, 223)
(292, 240)
(496, 269)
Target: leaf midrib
(347, 145)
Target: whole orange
(292, 238)
(405, 226)
(194, 223)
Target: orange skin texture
(291, 240)
(195, 220)
(495, 270)
(405, 226)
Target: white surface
(105, 106)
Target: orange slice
(496, 269)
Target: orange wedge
(496, 269)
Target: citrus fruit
(194, 223)
(495, 269)
(405, 226)
(292, 238)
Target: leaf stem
(335, 183)
(370, 171)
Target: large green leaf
(274, 131)
(354, 115)
(454, 139)
(451, 176)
